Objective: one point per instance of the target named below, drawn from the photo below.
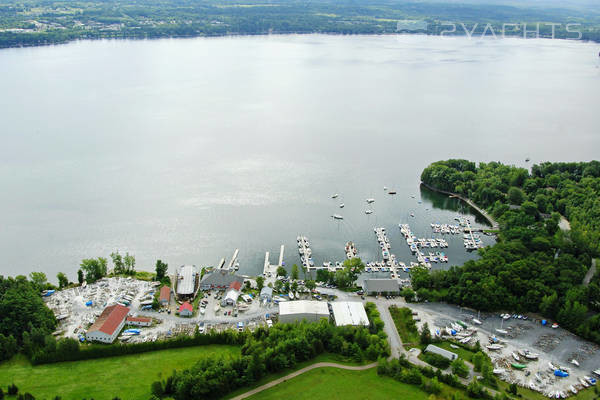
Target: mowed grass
(333, 383)
(128, 377)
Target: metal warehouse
(186, 280)
(349, 313)
(311, 311)
(442, 352)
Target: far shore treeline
(535, 266)
(41, 22)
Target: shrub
(12, 389)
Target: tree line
(534, 266)
(266, 351)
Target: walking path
(301, 371)
(591, 272)
(492, 221)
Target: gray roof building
(374, 286)
(442, 352)
(186, 280)
(219, 279)
(266, 293)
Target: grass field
(333, 383)
(325, 357)
(128, 377)
(405, 325)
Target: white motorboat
(291, 295)
(369, 212)
(572, 389)
(335, 196)
(342, 205)
(515, 356)
(494, 346)
(369, 201)
(575, 362)
(499, 371)
(476, 321)
(337, 216)
(502, 331)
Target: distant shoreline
(494, 224)
(46, 43)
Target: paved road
(301, 371)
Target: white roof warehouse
(311, 311)
(186, 280)
(349, 313)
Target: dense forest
(39, 22)
(24, 317)
(535, 266)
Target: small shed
(186, 310)
(442, 352)
(231, 297)
(266, 293)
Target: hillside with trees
(535, 266)
(37, 22)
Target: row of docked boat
(351, 250)
(384, 243)
(447, 229)
(305, 252)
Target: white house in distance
(311, 311)
(107, 326)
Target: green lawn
(405, 325)
(325, 357)
(334, 383)
(128, 377)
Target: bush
(12, 389)
(459, 368)
(436, 360)
(157, 389)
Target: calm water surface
(187, 149)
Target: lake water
(186, 149)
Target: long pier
(270, 270)
(234, 258)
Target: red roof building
(237, 285)
(108, 325)
(165, 295)
(186, 310)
